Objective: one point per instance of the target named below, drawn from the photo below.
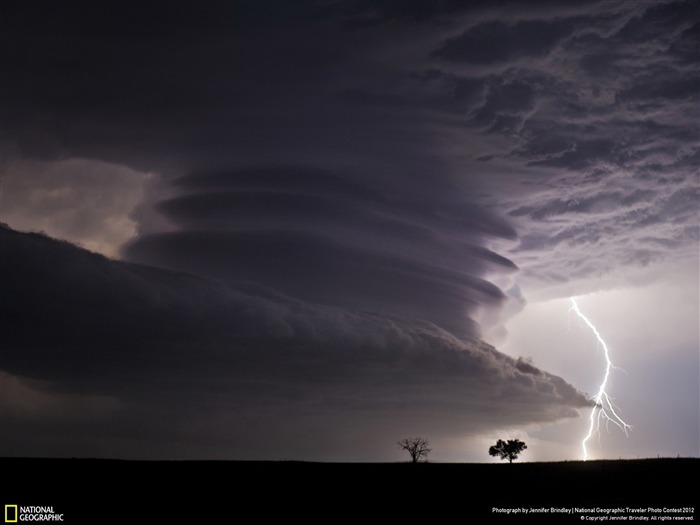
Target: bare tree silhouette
(507, 449)
(416, 447)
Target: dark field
(110, 491)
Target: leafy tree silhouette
(416, 447)
(507, 449)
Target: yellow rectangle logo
(10, 513)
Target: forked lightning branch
(604, 409)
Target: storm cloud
(327, 240)
(599, 130)
(132, 341)
(317, 212)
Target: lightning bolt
(604, 409)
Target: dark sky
(322, 218)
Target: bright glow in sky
(650, 344)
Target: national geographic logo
(17, 514)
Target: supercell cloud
(321, 238)
(312, 209)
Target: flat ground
(112, 491)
